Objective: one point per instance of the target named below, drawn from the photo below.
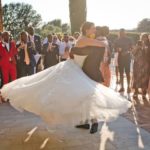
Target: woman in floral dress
(141, 71)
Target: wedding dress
(65, 94)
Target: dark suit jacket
(51, 57)
(5, 55)
(37, 42)
(31, 53)
(91, 65)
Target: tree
(54, 26)
(48, 28)
(144, 25)
(56, 22)
(65, 28)
(78, 11)
(17, 17)
(1, 14)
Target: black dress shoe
(94, 128)
(83, 126)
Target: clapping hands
(22, 45)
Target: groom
(91, 67)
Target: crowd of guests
(139, 53)
(30, 54)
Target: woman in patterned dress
(141, 65)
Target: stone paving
(25, 131)
(140, 112)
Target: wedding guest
(141, 66)
(37, 44)
(0, 68)
(64, 48)
(56, 40)
(8, 52)
(149, 77)
(59, 36)
(101, 34)
(116, 66)
(51, 52)
(123, 46)
(72, 41)
(26, 61)
(149, 89)
(76, 35)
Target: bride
(65, 94)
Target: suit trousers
(26, 70)
(8, 73)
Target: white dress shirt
(62, 47)
(7, 46)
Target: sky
(114, 13)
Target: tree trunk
(78, 11)
(1, 16)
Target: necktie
(27, 60)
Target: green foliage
(78, 11)
(55, 22)
(144, 25)
(46, 29)
(54, 26)
(17, 17)
(65, 28)
(133, 35)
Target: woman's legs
(117, 74)
(135, 95)
(144, 91)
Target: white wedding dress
(64, 94)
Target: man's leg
(127, 70)
(5, 75)
(117, 74)
(121, 71)
(13, 72)
(30, 70)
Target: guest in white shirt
(64, 48)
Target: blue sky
(114, 13)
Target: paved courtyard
(26, 131)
